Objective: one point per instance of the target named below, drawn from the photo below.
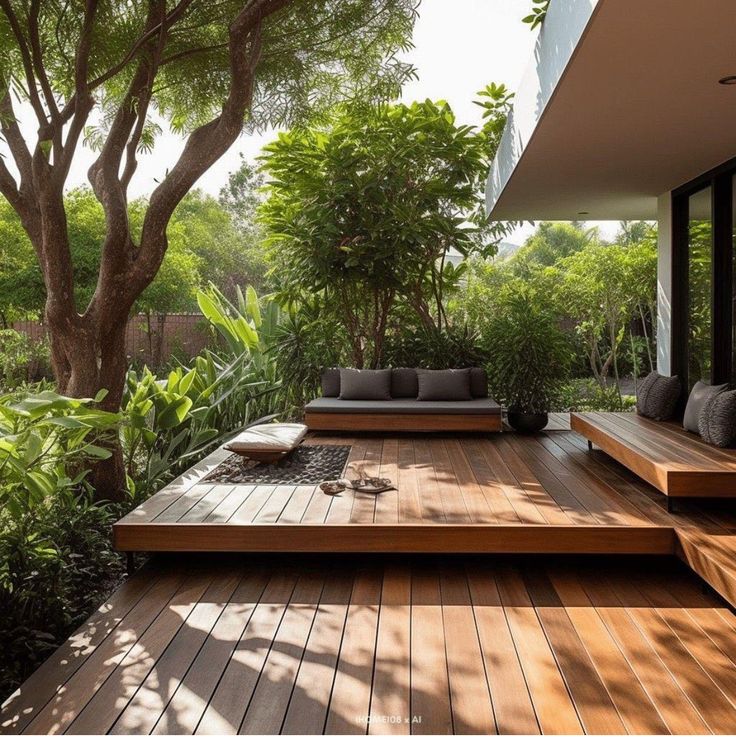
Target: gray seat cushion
(404, 406)
(696, 401)
(365, 384)
(449, 385)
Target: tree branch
(33, 95)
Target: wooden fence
(150, 340)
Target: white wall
(664, 284)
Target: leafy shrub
(56, 560)
(172, 422)
(457, 346)
(22, 359)
(587, 395)
(529, 354)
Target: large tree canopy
(364, 211)
(115, 72)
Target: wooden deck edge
(693, 550)
(370, 538)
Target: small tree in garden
(113, 73)
(365, 210)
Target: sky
(459, 47)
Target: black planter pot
(527, 422)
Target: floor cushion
(276, 438)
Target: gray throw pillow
(331, 382)
(372, 384)
(404, 383)
(657, 396)
(700, 392)
(478, 383)
(717, 421)
(450, 385)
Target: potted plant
(529, 356)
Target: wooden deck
(492, 493)
(414, 645)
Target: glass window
(700, 255)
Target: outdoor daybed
(410, 400)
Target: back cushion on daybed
(450, 385)
(404, 384)
(331, 382)
(372, 384)
(657, 396)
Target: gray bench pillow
(717, 421)
(372, 384)
(404, 383)
(657, 396)
(449, 385)
(699, 394)
(331, 382)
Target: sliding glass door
(704, 301)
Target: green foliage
(551, 242)
(22, 360)
(172, 422)
(538, 14)
(365, 210)
(529, 354)
(587, 395)
(55, 555)
(315, 52)
(457, 346)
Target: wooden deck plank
(391, 695)
(430, 687)
(108, 700)
(267, 707)
(433, 510)
(59, 712)
(472, 711)
(46, 681)
(351, 691)
(388, 503)
(310, 699)
(595, 707)
(151, 698)
(553, 705)
(410, 506)
(712, 705)
(512, 704)
(186, 706)
(227, 706)
(632, 702)
(420, 644)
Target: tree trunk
(86, 359)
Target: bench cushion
(329, 405)
(277, 437)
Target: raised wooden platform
(492, 493)
(410, 645)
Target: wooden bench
(677, 463)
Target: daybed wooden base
(402, 422)
(675, 462)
